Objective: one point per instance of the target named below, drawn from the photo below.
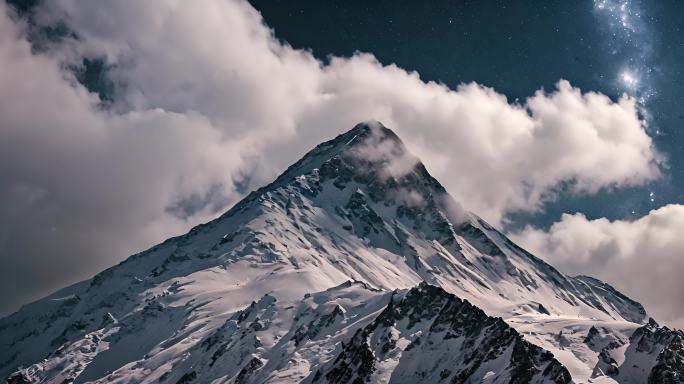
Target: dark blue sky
(517, 48)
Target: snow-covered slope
(344, 334)
(356, 208)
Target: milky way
(629, 41)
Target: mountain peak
(372, 158)
(359, 207)
(368, 145)
(364, 130)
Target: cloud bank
(643, 257)
(206, 104)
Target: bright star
(629, 79)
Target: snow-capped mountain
(354, 265)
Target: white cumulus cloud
(643, 258)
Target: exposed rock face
(429, 335)
(653, 354)
(667, 345)
(357, 208)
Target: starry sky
(517, 47)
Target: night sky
(518, 47)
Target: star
(629, 79)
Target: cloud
(642, 258)
(202, 112)
(379, 148)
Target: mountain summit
(354, 265)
